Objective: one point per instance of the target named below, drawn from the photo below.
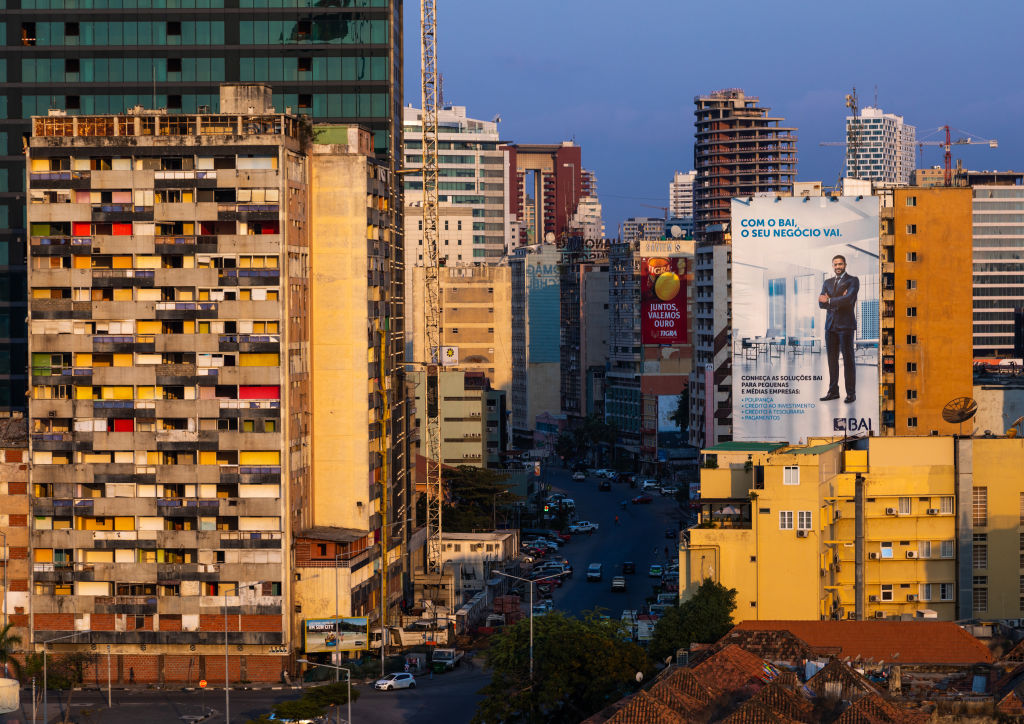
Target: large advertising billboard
(805, 317)
(336, 634)
(663, 300)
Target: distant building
(680, 194)
(879, 147)
(16, 511)
(536, 335)
(472, 418)
(998, 238)
(731, 128)
(471, 176)
(473, 556)
(546, 183)
(926, 307)
(636, 228)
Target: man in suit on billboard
(839, 297)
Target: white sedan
(395, 681)
(583, 526)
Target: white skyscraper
(879, 147)
(680, 195)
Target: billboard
(663, 300)
(805, 324)
(336, 634)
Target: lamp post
(46, 702)
(348, 672)
(7, 559)
(530, 584)
(383, 584)
(227, 670)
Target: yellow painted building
(926, 313)
(815, 532)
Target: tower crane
(432, 294)
(664, 209)
(947, 146)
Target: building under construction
(739, 150)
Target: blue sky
(619, 78)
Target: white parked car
(583, 526)
(579, 475)
(669, 490)
(649, 485)
(395, 681)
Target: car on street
(400, 680)
(619, 584)
(604, 486)
(579, 475)
(628, 567)
(649, 484)
(669, 490)
(583, 526)
(595, 571)
(643, 500)
(655, 570)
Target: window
(785, 520)
(1021, 592)
(886, 549)
(924, 592)
(911, 422)
(946, 549)
(980, 550)
(924, 549)
(911, 311)
(911, 201)
(911, 339)
(980, 592)
(911, 394)
(886, 591)
(791, 475)
(911, 366)
(911, 256)
(979, 506)
(911, 283)
(945, 591)
(911, 229)
(803, 520)
(946, 505)
(1022, 511)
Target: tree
(580, 666)
(681, 415)
(312, 704)
(472, 496)
(9, 643)
(704, 618)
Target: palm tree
(9, 643)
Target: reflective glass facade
(334, 60)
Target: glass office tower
(334, 60)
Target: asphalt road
(452, 697)
(639, 537)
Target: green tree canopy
(704, 618)
(474, 496)
(9, 644)
(580, 666)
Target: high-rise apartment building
(680, 194)
(998, 236)
(925, 319)
(339, 64)
(472, 420)
(471, 176)
(636, 228)
(207, 293)
(739, 150)
(546, 183)
(879, 147)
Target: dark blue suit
(840, 329)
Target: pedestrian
(131, 674)
(431, 673)
(407, 667)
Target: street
(639, 537)
(454, 694)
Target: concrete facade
(879, 147)
(471, 429)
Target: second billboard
(805, 308)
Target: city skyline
(577, 79)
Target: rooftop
(736, 446)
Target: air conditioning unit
(873, 556)
(891, 511)
(911, 554)
(879, 614)
(911, 597)
(873, 599)
(933, 511)
(802, 533)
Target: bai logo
(851, 424)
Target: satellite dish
(960, 410)
(549, 237)
(675, 231)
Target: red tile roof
(873, 709)
(900, 642)
(733, 668)
(643, 708)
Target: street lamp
(46, 702)
(227, 670)
(530, 584)
(7, 562)
(383, 584)
(336, 669)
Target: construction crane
(947, 146)
(432, 293)
(664, 209)
(853, 131)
